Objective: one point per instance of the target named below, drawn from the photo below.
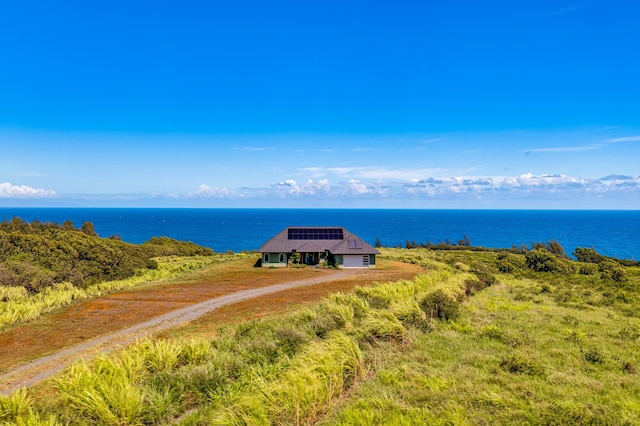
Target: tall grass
(19, 306)
(307, 389)
(17, 409)
(115, 389)
(280, 371)
(514, 355)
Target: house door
(311, 258)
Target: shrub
(629, 332)
(164, 246)
(629, 368)
(588, 269)
(439, 305)
(517, 364)
(472, 286)
(594, 356)
(587, 255)
(540, 260)
(612, 270)
(508, 262)
(290, 340)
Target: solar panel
(315, 234)
(355, 244)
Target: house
(315, 245)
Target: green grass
(523, 348)
(518, 354)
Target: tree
(587, 255)
(68, 225)
(87, 228)
(555, 248)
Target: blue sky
(458, 104)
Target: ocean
(612, 232)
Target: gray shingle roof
(282, 244)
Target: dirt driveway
(32, 352)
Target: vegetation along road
(101, 325)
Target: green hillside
(37, 255)
(480, 338)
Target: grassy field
(479, 338)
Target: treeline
(444, 245)
(36, 255)
(553, 247)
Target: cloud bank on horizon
(377, 187)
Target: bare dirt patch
(221, 293)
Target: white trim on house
(274, 260)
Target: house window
(281, 257)
(266, 258)
(365, 260)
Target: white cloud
(310, 188)
(527, 186)
(355, 188)
(7, 190)
(564, 149)
(529, 179)
(626, 139)
(206, 191)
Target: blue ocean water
(612, 233)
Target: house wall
(274, 260)
(358, 261)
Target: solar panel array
(315, 234)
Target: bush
(517, 364)
(588, 269)
(594, 356)
(441, 306)
(611, 270)
(164, 246)
(508, 262)
(629, 367)
(541, 260)
(587, 255)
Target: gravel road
(42, 368)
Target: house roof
(316, 239)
